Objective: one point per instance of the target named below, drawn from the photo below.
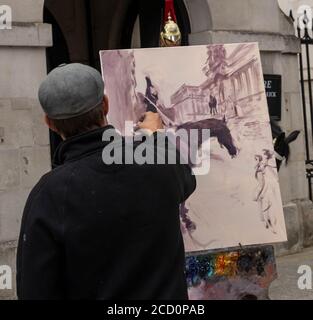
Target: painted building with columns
(47, 33)
(233, 80)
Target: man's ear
(50, 124)
(105, 105)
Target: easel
(242, 273)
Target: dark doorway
(151, 15)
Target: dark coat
(96, 231)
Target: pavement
(286, 286)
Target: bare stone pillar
(24, 139)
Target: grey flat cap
(71, 90)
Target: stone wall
(24, 140)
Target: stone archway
(92, 25)
(89, 26)
(199, 15)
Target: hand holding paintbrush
(150, 121)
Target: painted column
(248, 80)
(233, 82)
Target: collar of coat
(79, 146)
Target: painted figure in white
(264, 192)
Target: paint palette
(231, 275)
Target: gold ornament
(170, 36)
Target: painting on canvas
(221, 88)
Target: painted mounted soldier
(152, 97)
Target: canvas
(221, 88)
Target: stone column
(24, 141)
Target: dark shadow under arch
(151, 19)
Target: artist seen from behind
(97, 231)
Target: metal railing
(307, 95)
